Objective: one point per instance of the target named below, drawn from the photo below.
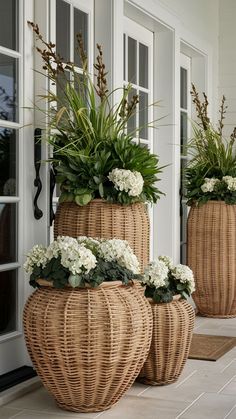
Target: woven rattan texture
(102, 219)
(88, 345)
(211, 254)
(172, 334)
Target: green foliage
(60, 276)
(213, 156)
(165, 294)
(88, 132)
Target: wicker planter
(172, 333)
(211, 256)
(88, 345)
(102, 219)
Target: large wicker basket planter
(102, 219)
(211, 255)
(172, 334)
(88, 345)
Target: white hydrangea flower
(125, 180)
(185, 275)
(79, 260)
(167, 260)
(156, 274)
(209, 184)
(116, 250)
(231, 182)
(36, 257)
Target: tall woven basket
(211, 254)
(102, 219)
(88, 344)
(172, 334)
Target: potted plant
(88, 325)
(211, 193)
(167, 287)
(105, 177)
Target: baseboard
(19, 390)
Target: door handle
(38, 213)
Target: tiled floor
(205, 390)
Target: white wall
(200, 18)
(227, 61)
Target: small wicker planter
(102, 219)
(88, 345)
(172, 334)
(211, 255)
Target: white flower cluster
(74, 256)
(209, 184)
(36, 257)
(156, 274)
(125, 180)
(167, 260)
(159, 270)
(119, 251)
(79, 255)
(185, 275)
(231, 182)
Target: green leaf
(75, 280)
(83, 199)
(101, 190)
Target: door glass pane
(8, 298)
(132, 60)
(143, 115)
(143, 66)
(8, 182)
(183, 88)
(80, 26)
(9, 24)
(63, 29)
(8, 88)
(183, 132)
(8, 233)
(124, 54)
(131, 125)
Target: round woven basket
(211, 254)
(102, 219)
(88, 344)
(172, 334)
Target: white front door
(20, 86)
(18, 226)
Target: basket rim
(100, 200)
(176, 297)
(106, 284)
(212, 201)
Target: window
(185, 114)
(138, 62)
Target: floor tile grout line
(186, 378)
(139, 394)
(17, 414)
(231, 410)
(228, 382)
(190, 405)
(231, 362)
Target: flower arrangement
(163, 280)
(211, 173)
(93, 154)
(82, 261)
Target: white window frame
(185, 63)
(144, 36)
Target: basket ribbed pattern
(211, 254)
(102, 219)
(172, 334)
(88, 345)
